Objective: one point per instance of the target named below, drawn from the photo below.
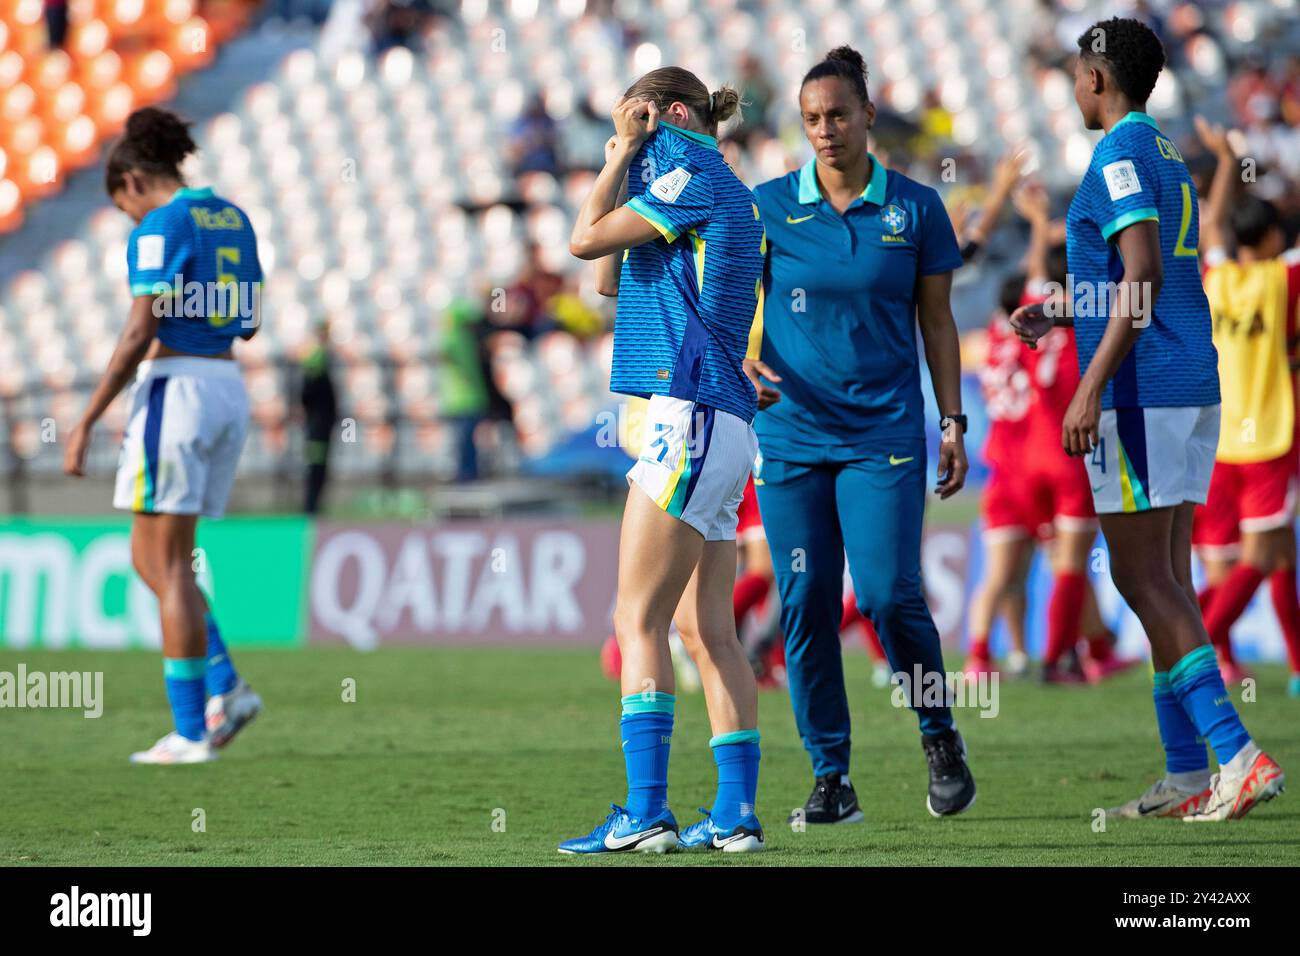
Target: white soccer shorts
(694, 463)
(186, 427)
(1153, 458)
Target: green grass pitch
(490, 756)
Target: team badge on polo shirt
(894, 218)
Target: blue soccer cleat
(622, 832)
(1293, 686)
(745, 837)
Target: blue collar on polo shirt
(809, 193)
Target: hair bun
(724, 103)
(160, 136)
(846, 54)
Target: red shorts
(1037, 501)
(1248, 496)
(749, 525)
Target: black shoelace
(943, 757)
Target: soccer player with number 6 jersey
(194, 272)
(1145, 416)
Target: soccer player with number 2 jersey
(1145, 416)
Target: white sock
(1196, 780)
(1239, 764)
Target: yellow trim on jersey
(754, 350)
(697, 243)
(638, 206)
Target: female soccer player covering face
(193, 268)
(858, 257)
(1146, 413)
(684, 256)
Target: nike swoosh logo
(731, 839)
(900, 461)
(621, 843)
(791, 220)
(1096, 490)
(1145, 808)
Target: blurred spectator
(1253, 93)
(756, 95)
(344, 30)
(320, 409)
(463, 393)
(56, 22)
(533, 141)
(396, 23)
(528, 300)
(582, 138)
(315, 11)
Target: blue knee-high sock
(1184, 748)
(1199, 687)
(221, 676)
(647, 731)
(737, 756)
(184, 679)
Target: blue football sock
(1184, 748)
(184, 679)
(647, 730)
(221, 676)
(1199, 687)
(737, 756)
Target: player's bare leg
(706, 623)
(708, 630)
(657, 554)
(1005, 557)
(162, 549)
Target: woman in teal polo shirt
(859, 257)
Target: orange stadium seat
(59, 106)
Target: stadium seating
(379, 193)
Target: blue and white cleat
(227, 714)
(622, 832)
(745, 837)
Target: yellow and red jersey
(1254, 311)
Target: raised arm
(1034, 206)
(1224, 188)
(601, 229)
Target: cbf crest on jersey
(894, 219)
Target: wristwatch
(950, 420)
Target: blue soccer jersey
(686, 301)
(839, 313)
(199, 253)
(1136, 175)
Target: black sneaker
(952, 788)
(831, 801)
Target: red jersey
(1007, 393)
(1054, 377)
